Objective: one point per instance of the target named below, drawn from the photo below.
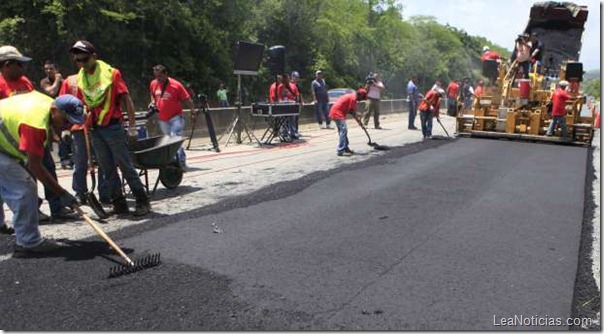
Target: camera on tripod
(370, 79)
(152, 110)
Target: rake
(130, 266)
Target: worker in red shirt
(105, 93)
(168, 95)
(288, 93)
(26, 124)
(487, 54)
(479, 90)
(272, 90)
(12, 80)
(452, 94)
(346, 104)
(559, 109)
(428, 109)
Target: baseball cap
(563, 83)
(295, 74)
(485, 49)
(318, 72)
(440, 91)
(8, 52)
(72, 107)
(83, 46)
(362, 92)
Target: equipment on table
(277, 115)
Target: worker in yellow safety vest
(26, 121)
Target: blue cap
(72, 107)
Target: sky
(500, 21)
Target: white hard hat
(563, 83)
(485, 49)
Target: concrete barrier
(223, 117)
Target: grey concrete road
(434, 235)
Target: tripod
(238, 124)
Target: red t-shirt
(559, 102)
(19, 86)
(117, 88)
(344, 105)
(478, 91)
(31, 140)
(431, 99)
(453, 90)
(170, 104)
(285, 94)
(272, 93)
(490, 55)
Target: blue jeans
(412, 113)
(174, 127)
(53, 199)
(557, 120)
(426, 118)
(80, 169)
(18, 188)
(112, 151)
(65, 150)
(224, 103)
(343, 133)
(322, 111)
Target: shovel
(370, 143)
(441, 124)
(90, 197)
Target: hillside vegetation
(347, 39)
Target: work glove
(68, 200)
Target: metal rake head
(138, 265)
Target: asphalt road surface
(435, 235)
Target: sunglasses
(82, 60)
(12, 62)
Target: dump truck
(516, 108)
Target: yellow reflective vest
(32, 109)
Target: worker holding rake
(26, 121)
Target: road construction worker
(452, 95)
(167, 96)
(25, 127)
(559, 99)
(80, 152)
(105, 94)
(413, 96)
(428, 109)
(13, 82)
(346, 104)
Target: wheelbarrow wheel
(170, 176)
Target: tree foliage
(347, 39)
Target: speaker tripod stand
(238, 124)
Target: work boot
(5, 229)
(45, 246)
(142, 208)
(120, 206)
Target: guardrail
(222, 117)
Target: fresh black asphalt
(433, 235)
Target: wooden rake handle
(104, 235)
